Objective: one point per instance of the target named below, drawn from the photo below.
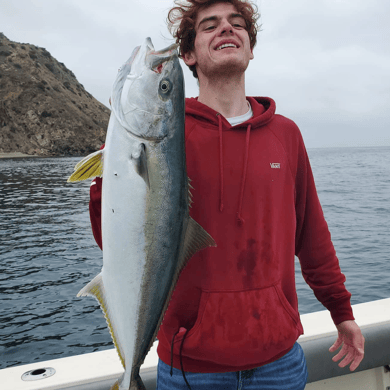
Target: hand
(352, 341)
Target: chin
(232, 66)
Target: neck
(225, 95)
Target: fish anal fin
(89, 167)
(196, 239)
(95, 288)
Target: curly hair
(181, 22)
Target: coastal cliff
(44, 110)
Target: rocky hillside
(44, 110)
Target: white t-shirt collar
(236, 120)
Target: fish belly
(123, 216)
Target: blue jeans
(287, 373)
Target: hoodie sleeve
(95, 208)
(314, 248)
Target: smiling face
(222, 45)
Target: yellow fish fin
(135, 384)
(95, 288)
(115, 386)
(90, 166)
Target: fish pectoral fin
(139, 158)
(96, 289)
(196, 238)
(88, 167)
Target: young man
(233, 318)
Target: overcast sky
(326, 63)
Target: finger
(358, 349)
(347, 359)
(343, 351)
(357, 360)
(336, 344)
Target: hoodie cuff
(341, 311)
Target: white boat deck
(99, 370)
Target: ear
(189, 58)
(251, 56)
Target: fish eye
(165, 86)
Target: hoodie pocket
(245, 327)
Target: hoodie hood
(263, 112)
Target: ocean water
(353, 185)
(47, 251)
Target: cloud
(325, 62)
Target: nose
(226, 27)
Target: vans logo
(275, 165)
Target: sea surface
(47, 251)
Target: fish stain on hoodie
(247, 262)
(256, 315)
(266, 253)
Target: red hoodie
(235, 306)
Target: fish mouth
(145, 55)
(144, 66)
(156, 60)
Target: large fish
(147, 232)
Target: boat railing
(99, 370)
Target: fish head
(149, 91)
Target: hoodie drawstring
(173, 339)
(180, 355)
(240, 220)
(239, 216)
(220, 162)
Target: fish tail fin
(115, 386)
(136, 384)
(95, 288)
(88, 167)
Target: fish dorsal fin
(88, 167)
(95, 288)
